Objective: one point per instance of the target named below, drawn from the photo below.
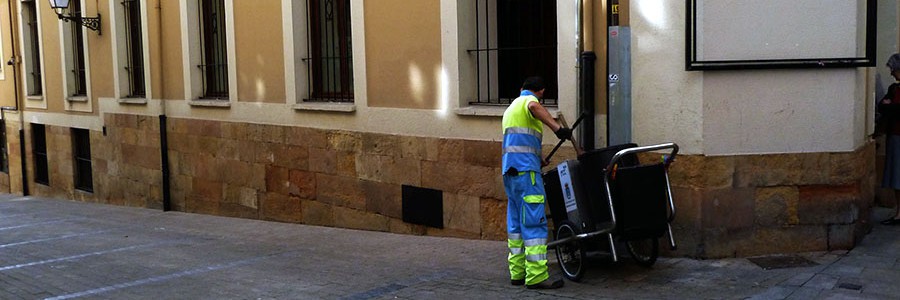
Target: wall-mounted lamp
(61, 7)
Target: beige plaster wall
(170, 75)
(99, 53)
(403, 53)
(7, 82)
(735, 112)
(53, 92)
(260, 51)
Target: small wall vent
(423, 206)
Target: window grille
(135, 48)
(35, 85)
(81, 151)
(39, 151)
(214, 61)
(515, 39)
(78, 51)
(330, 47)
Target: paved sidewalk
(60, 249)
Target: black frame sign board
(778, 34)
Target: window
(515, 39)
(81, 152)
(214, 60)
(39, 151)
(331, 58)
(4, 156)
(134, 48)
(78, 68)
(31, 46)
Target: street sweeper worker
(526, 224)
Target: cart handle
(578, 121)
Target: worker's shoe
(517, 281)
(547, 284)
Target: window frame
(319, 79)
(124, 44)
(32, 53)
(296, 50)
(81, 153)
(39, 152)
(192, 55)
(76, 90)
(492, 66)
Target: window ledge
(133, 100)
(210, 103)
(77, 99)
(493, 111)
(335, 107)
(35, 97)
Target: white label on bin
(565, 182)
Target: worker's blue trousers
(526, 225)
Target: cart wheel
(570, 255)
(644, 251)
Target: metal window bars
(214, 65)
(330, 61)
(135, 49)
(514, 39)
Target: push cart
(608, 196)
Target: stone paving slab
(61, 249)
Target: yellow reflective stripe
(532, 179)
(535, 250)
(534, 199)
(515, 243)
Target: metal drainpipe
(14, 62)
(163, 136)
(587, 62)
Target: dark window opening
(521, 42)
(214, 61)
(135, 48)
(39, 151)
(4, 159)
(35, 87)
(78, 51)
(81, 152)
(331, 58)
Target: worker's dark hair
(533, 83)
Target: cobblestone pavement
(60, 249)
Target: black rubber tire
(570, 255)
(644, 251)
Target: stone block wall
(746, 205)
(334, 178)
(728, 206)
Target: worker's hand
(544, 162)
(563, 133)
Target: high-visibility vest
(522, 136)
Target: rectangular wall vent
(423, 206)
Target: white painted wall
(736, 112)
(667, 102)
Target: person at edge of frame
(526, 223)
(890, 111)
